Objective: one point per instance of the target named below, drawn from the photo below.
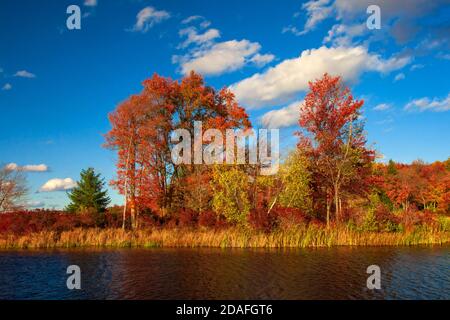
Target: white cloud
(284, 117)
(24, 74)
(343, 34)
(348, 9)
(58, 185)
(381, 107)
(28, 167)
(35, 204)
(11, 166)
(193, 37)
(424, 104)
(400, 19)
(192, 18)
(262, 59)
(90, 3)
(210, 58)
(416, 67)
(293, 30)
(35, 167)
(317, 11)
(283, 82)
(7, 87)
(205, 24)
(148, 17)
(399, 77)
(218, 58)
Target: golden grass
(300, 237)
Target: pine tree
(89, 193)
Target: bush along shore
(281, 229)
(231, 237)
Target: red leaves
(426, 186)
(25, 222)
(335, 143)
(142, 128)
(328, 107)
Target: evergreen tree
(89, 193)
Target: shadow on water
(164, 273)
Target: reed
(299, 237)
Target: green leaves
(88, 195)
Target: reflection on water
(337, 273)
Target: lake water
(329, 273)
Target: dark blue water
(336, 273)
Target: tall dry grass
(300, 237)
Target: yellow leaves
(230, 185)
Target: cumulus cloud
(344, 35)
(27, 168)
(427, 104)
(24, 74)
(218, 58)
(148, 17)
(209, 57)
(7, 87)
(283, 82)
(58, 185)
(193, 37)
(400, 18)
(262, 59)
(284, 117)
(317, 11)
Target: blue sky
(58, 85)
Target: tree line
(331, 177)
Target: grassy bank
(301, 237)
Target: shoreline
(302, 237)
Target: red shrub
(291, 216)
(384, 215)
(260, 220)
(187, 218)
(413, 217)
(22, 222)
(207, 219)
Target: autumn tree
(295, 178)
(126, 137)
(13, 189)
(333, 139)
(425, 186)
(230, 187)
(142, 132)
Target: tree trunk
(328, 210)
(336, 202)
(124, 216)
